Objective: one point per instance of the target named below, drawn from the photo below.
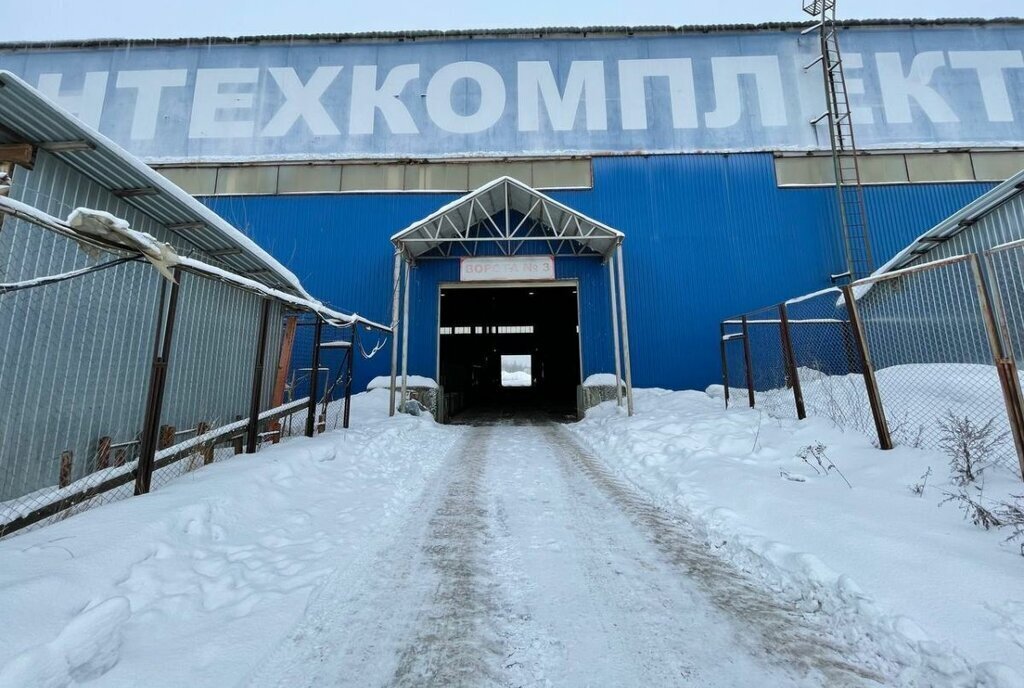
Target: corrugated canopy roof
(955, 223)
(508, 214)
(27, 116)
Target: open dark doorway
(510, 352)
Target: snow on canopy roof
(457, 220)
(27, 116)
(962, 219)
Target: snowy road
(527, 563)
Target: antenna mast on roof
(853, 219)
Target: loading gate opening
(509, 350)
(510, 240)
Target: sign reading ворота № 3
(926, 85)
(507, 268)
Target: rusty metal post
(64, 479)
(238, 441)
(157, 380)
(167, 435)
(870, 383)
(252, 431)
(103, 453)
(746, 361)
(790, 361)
(206, 449)
(1006, 367)
(314, 378)
(725, 361)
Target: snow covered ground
(687, 545)
(195, 583)
(885, 563)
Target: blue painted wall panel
(707, 236)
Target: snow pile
(202, 578)
(939, 600)
(602, 380)
(916, 397)
(384, 382)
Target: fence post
(237, 442)
(790, 361)
(206, 449)
(1006, 366)
(157, 378)
(725, 360)
(257, 381)
(103, 453)
(314, 378)
(870, 383)
(348, 378)
(65, 469)
(746, 361)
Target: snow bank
(601, 380)
(935, 597)
(384, 382)
(202, 578)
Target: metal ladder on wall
(853, 219)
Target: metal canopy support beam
(314, 378)
(252, 432)
(396, 285)
(405, 335)
(625, 331)
(157, 382)
(615, 332)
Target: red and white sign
(507, 268)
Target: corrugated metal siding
(895, 210)
(707, 236)
(76, 355)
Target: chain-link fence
(904, 357)
(117, 380)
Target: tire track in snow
(788, 637)
(458, 640)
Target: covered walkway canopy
(506, 217)
(509, 215)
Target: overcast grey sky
(62, 19)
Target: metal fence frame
(161, 453)
(986, 298)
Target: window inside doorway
(516, 370)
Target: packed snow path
(527, 563)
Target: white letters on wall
(764, 69)
(584, 81)
(899, 88)
(678, 72)
(492, 97)
(149, 85)
(991, 66)
(907, 87)
(367, 99)
(302, 101)
(87, 105)
(220, 114)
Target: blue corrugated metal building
(698, 143)
(707, 236)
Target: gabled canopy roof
(508, 214)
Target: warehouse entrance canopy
(506, 218)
